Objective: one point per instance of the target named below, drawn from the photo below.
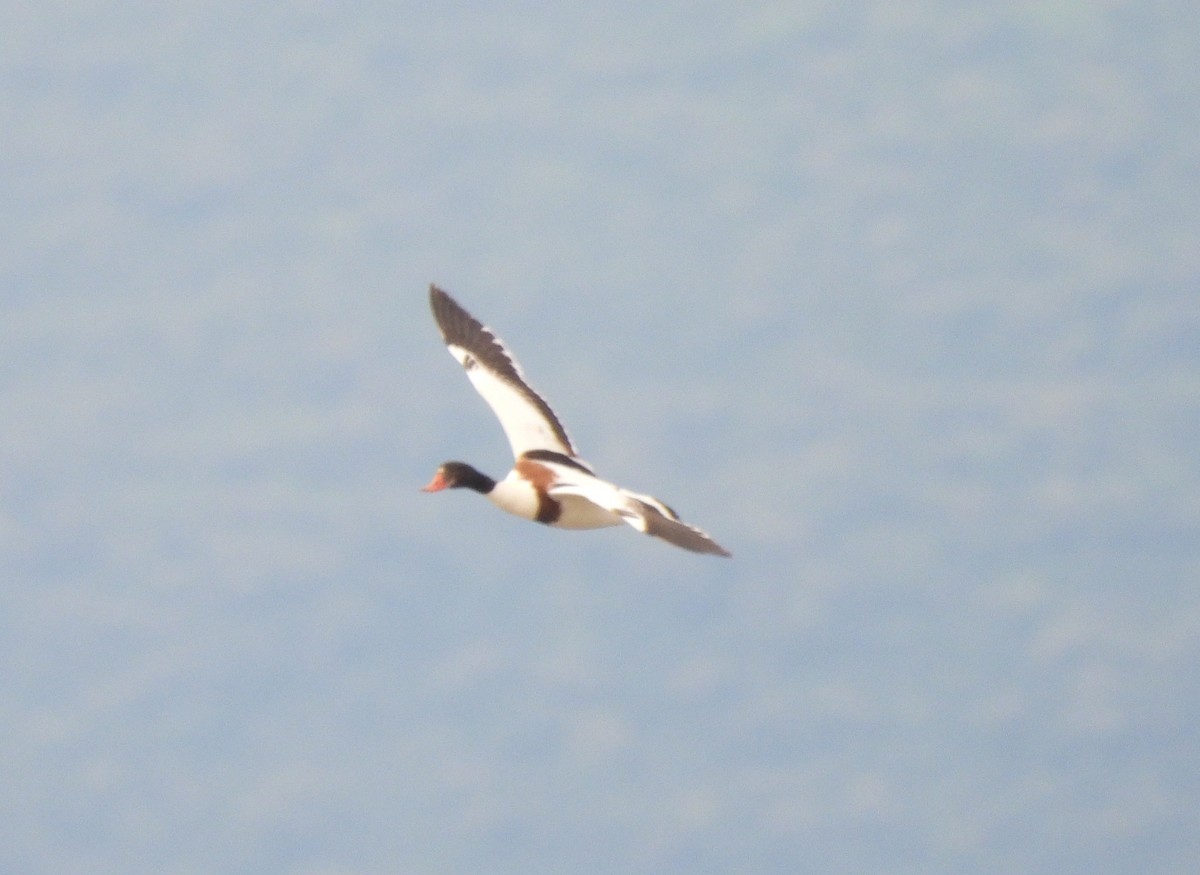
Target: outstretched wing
(524, 415)
(675, 532)
(644, 513)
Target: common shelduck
(549, 483)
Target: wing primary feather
(678, 533)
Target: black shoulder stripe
(552, 456)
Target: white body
(517, 496)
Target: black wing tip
(675, 531)
(700, 543)
(703, 544)
(453, 320)
(442, 304)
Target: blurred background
(896, 299)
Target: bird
(549, 483)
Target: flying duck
(549, 483)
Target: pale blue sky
(898, 300)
